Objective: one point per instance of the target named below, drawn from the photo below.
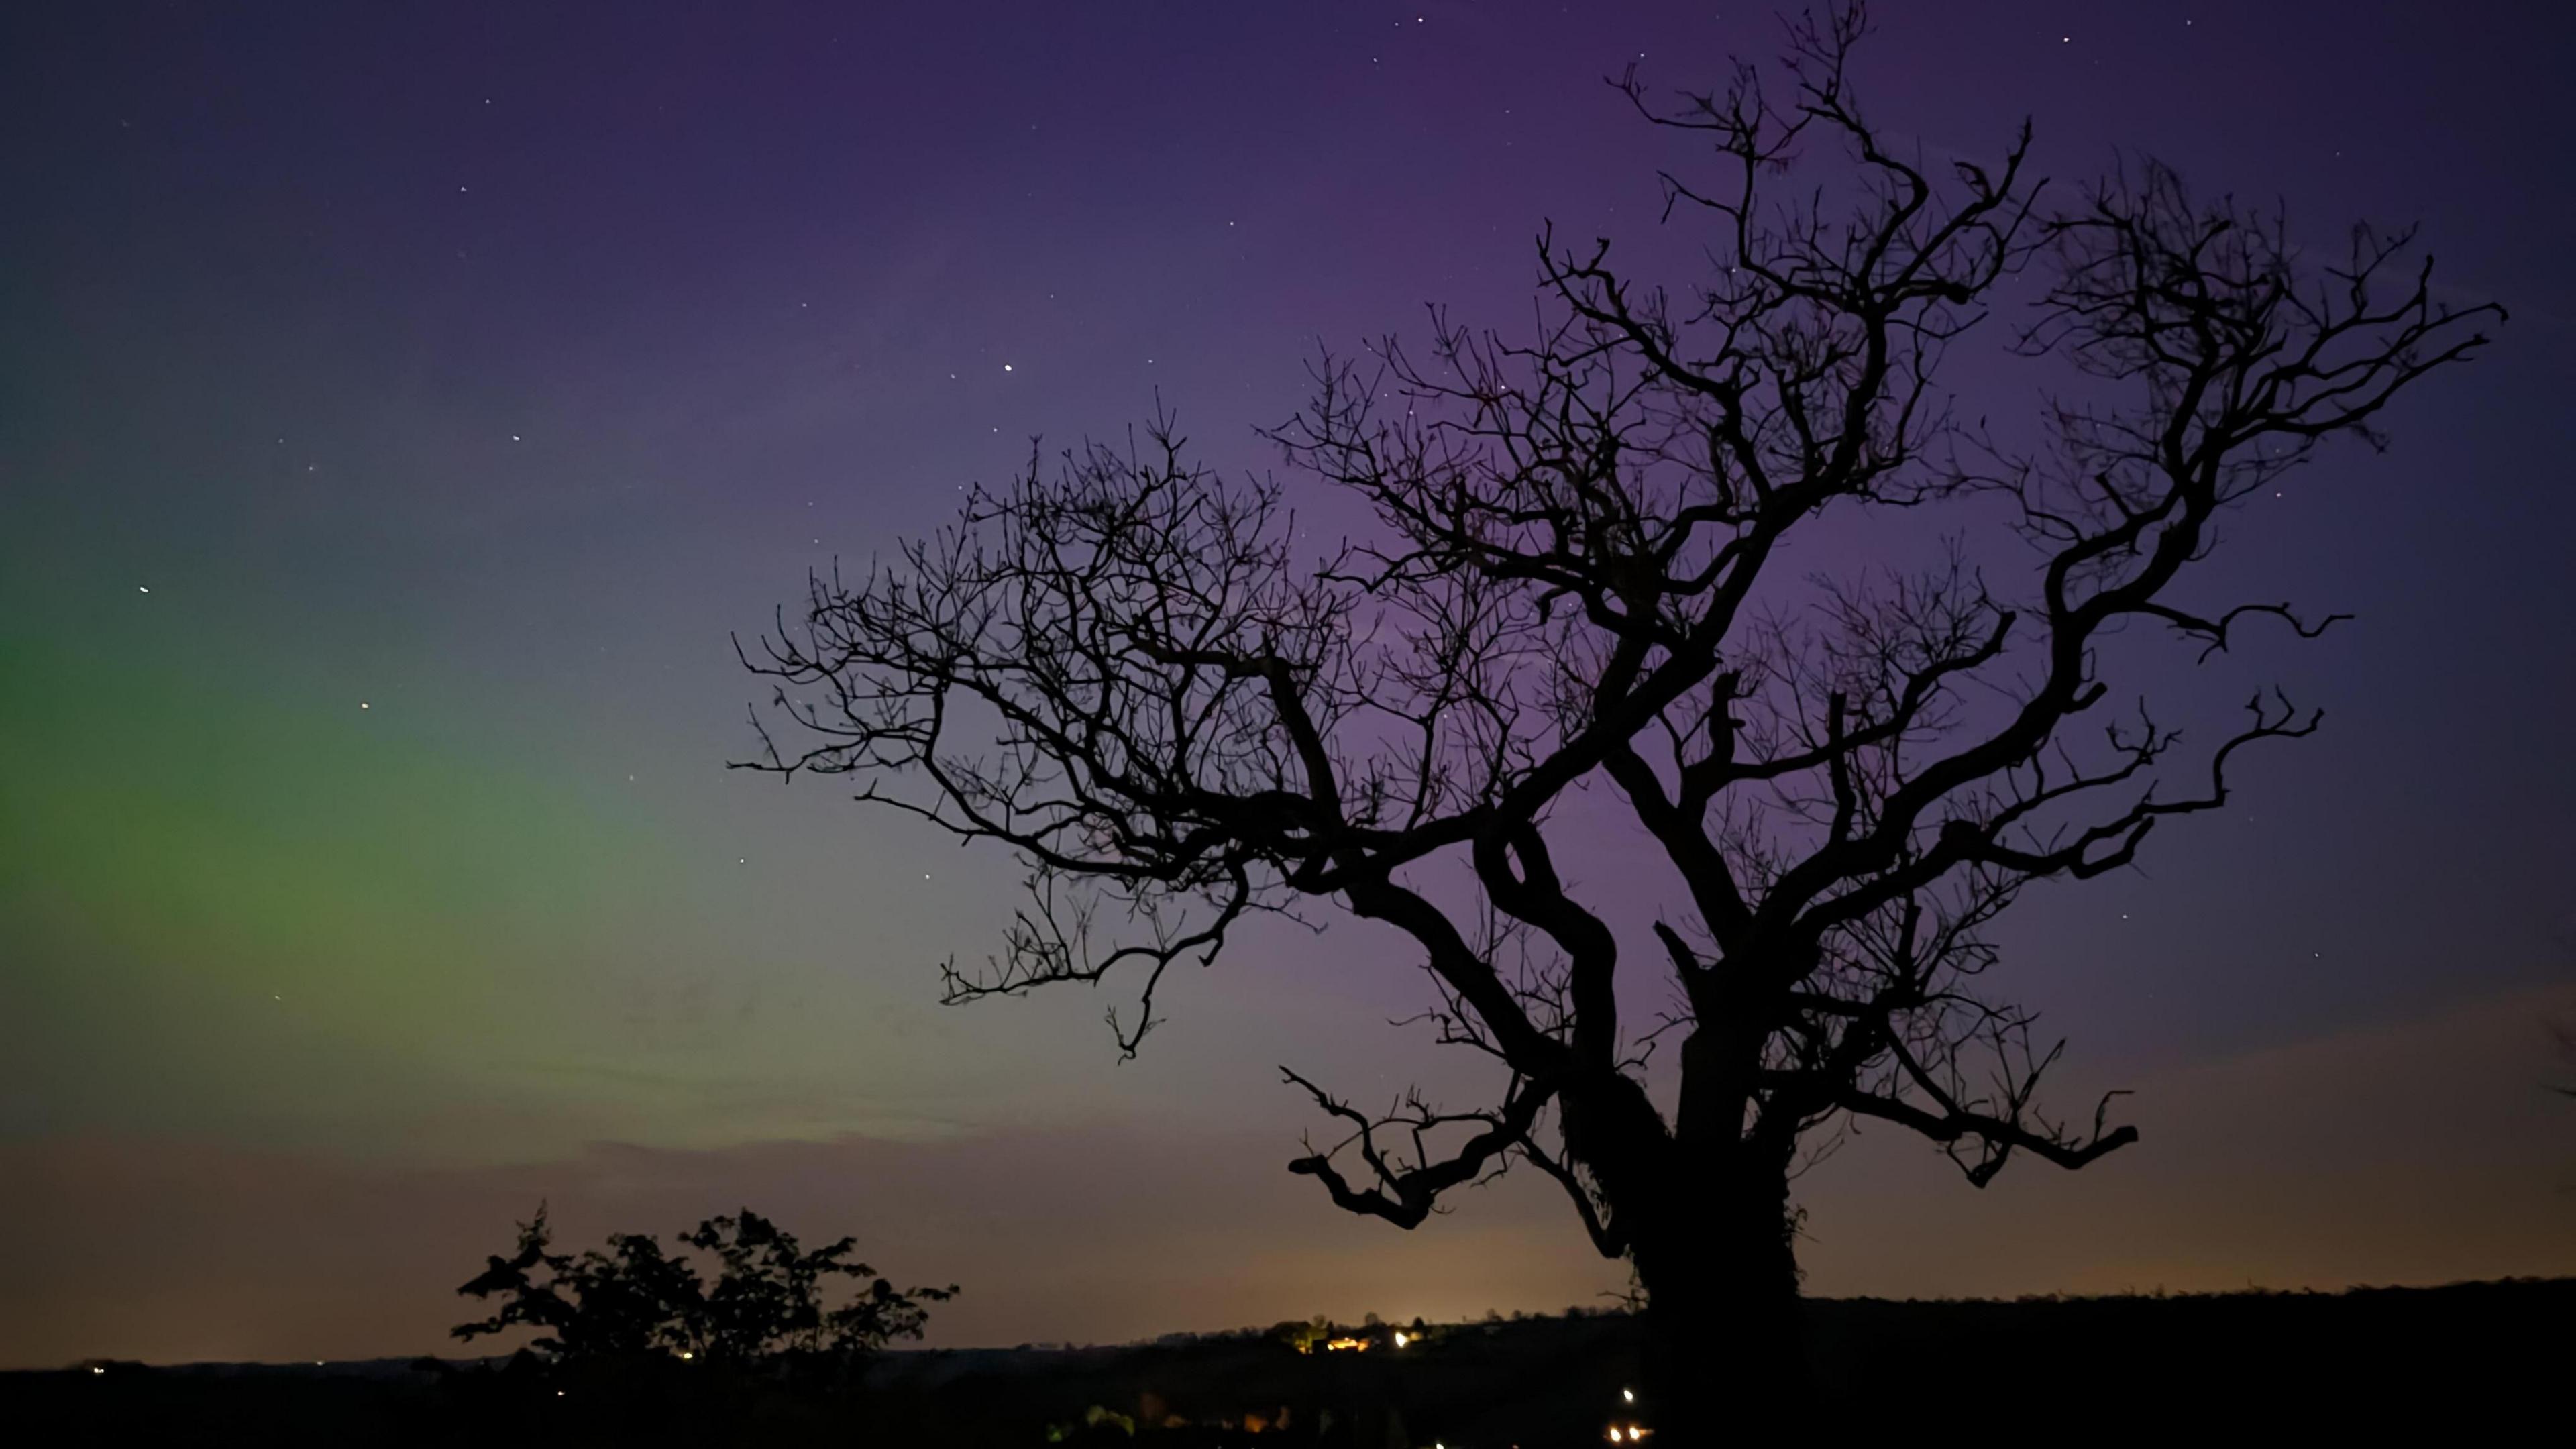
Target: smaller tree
(770, 1310)
(1302, 1334)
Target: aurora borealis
(400, 404)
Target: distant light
(94, 1368)
(140, 589)
(1006, 367)
(1399, 1343)
(362, 704)
(685, 1354)
(1627, 1396)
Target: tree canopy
(1595, 565)
(771, 1306)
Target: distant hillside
(2469, 1353)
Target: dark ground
(2469, 1359)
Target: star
(142, 589)
(362, 704)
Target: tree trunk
(1724, 1350)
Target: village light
(1399, 1343)
(1627, 1396)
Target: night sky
(399, 404)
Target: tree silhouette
(768, 1311)
(1592, 564)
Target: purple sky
(454, 377)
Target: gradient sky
(400, 403)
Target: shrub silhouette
(770, 1311)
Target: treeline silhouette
(2470, 1354)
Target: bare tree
(1128, 671)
